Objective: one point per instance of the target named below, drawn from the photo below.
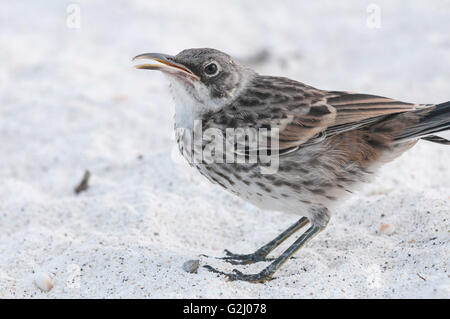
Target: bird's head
(202, 79)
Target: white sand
(70, 101)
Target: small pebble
(191, 266)
(386, 229)
(43, 281)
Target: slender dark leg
(261, 253)
(267, 272)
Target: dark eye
(211, 69)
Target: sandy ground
(71, 101)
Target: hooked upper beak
(166, 64)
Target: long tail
(434, 120)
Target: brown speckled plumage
(329, 141)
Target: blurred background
(70, 100)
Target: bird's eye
(211, 69)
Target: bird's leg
(268, 272)
(261, 253)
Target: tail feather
(436, 139)
(434, 120)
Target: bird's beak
(166, 64)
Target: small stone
(386, 229)
(43, 281)
(191, 266)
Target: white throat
(192, 102)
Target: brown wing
(302, 113)
(300, 128)
(339, 112)
(355, 107)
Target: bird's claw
(244, 259)
(261, 277)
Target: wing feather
(355, 107)
(342, 111)
(301, 113)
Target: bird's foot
(245, 259)
(260, 277)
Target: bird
(326, 143)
